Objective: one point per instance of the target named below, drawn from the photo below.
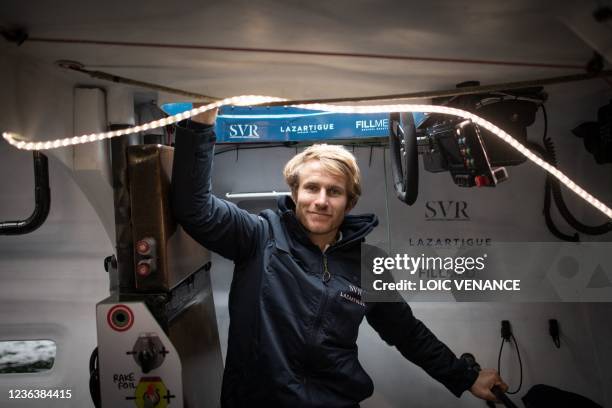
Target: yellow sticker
(152, 393)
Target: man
(295, 302)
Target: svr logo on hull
(243, 131)
(446, 211)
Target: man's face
(321, 199)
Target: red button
(143, 247)
(481, 181)
(143, 269)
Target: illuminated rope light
(247, 100)
(244, 100)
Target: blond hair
(334, 159)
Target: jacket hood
(353, 227)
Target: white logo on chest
(353, 295)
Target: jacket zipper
(319, 317)
(326, 273)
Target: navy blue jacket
(292, 335)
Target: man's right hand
(487, 379)
(208, 118)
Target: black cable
(548, 201)
(568, 216)
(548, 218)
(499, 356)
(558, 195)
(549, 156)
(519, 359)
(94, 379)
(518, 353)
(553, 188)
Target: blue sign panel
(239, 124)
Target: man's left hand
(487, 379)
(207, 118)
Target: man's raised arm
(216, 224)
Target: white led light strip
(247, 100)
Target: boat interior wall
(51, 279)
(35, 267)
(91, 162)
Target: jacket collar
(354, 228)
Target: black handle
(499, 394)
(42, 199)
